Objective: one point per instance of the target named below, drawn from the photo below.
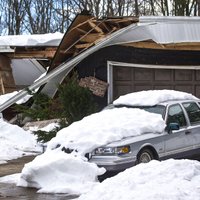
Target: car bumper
(114, 163)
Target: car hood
(132, 139)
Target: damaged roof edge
(163, 33)
(172, 19)
(65, 67)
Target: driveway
(11, 192)
(14, 166)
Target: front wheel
(145, 156)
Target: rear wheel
(145, 156)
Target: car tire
(145, 156)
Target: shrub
(73, 103)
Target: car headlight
(112, 150)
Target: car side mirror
(172, 127)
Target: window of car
(193, 112)
(176, 115)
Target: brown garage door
(129, 79)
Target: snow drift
(167, 180)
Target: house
(23, 58)
(126, 54)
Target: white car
(180, 139)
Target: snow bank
(167, 180)
(15, 142)
(152, 97)
(11, 179)
(57, 172)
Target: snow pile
(12, 179)
(15, 142)
(50, 39)
(169, 180)
(56, 171)
(70, 172)
(152, 97)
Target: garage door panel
(163, 75)
(123, 73)
(162, 87)
(197, 90)
(183, 75)
(142, 74)
(184, 88)
(121, 90)
(143, 87)
(197, 75)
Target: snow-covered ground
(166, 180)
(15, 142)
(58, 172)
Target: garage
(133, 78)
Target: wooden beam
(71, 51)
(95, 27)
(91, 37)
(32, 54)
(81, 30)
(83, 46)
(148, 45)
(191, 46)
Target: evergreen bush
(73, 103)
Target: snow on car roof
(152, 97)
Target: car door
(177, 142)
(193, 112)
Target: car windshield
(157, 109)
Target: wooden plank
(81, 30)
(149, 45)
(83, 46)
(32, 54)
(95, 27)
(91, 37)
(82, 25)
(174, 46)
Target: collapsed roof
(87, 35)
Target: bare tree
(198, 7)
(13, 13)
(44, 16)
(39, 15)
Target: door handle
(187, 132)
